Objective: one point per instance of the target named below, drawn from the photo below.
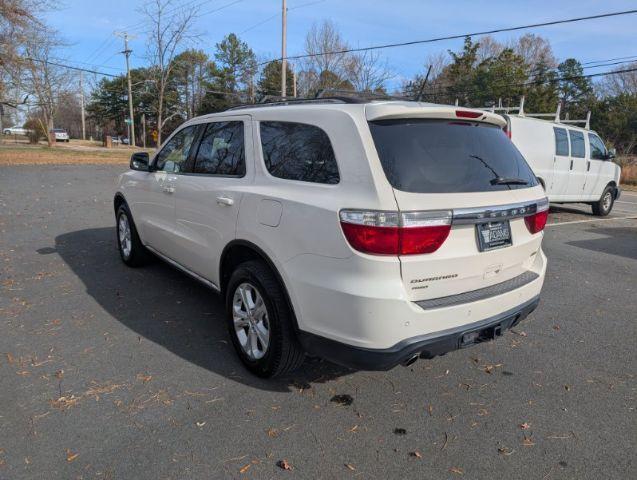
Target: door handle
(225, 201)
(588, 166)
(571, 165)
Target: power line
(628, 58)
(457, 36)
(447, 89)
(71, 67)
(272, 17)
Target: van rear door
(471, 171)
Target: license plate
(493, 235)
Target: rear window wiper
(508, 181)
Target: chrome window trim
(468, 216)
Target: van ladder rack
(554, 116)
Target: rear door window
(444, 156)
(578, 149)
(561, 142)
(298, 151)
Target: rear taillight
(537, 221)
(393, 233)
(468, 114)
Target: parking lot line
(622, 201)
(633, 217)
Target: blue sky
(88, 26)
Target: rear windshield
(442, 156)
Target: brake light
(393, 233)
(507, 131)
(537, 221)
(468, 114)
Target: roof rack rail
(269, 102)
(554, 116)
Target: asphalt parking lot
(109, 372)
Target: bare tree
(323, 66)
(489, 48)
(43, 79)
(368, 71)
(169, 29)
(535, 51)
(624, 82)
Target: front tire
(260, 321)
(604, 205)
(131, 249)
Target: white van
(572, 163)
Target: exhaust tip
(410, 360)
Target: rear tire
(131, 249)
(604, 205)
(261, 322)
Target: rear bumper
(426, 346)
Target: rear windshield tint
(442, 156)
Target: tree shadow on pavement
(620, 241)
(170, 309)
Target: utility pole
(144, 130)
(284, 65)
(82, 105)
(127, 52)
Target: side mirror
(612, 153)
(139, 161)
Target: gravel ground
(109, 372)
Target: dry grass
(629, 174)
(62, 155)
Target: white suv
(367, 233)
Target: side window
(297, 151)
(221, 150)
(172, 158)
(598, 149)
(577, 144)
(561, 142)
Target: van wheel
(131, 249)
(260, 321)
(604, 205)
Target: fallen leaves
(489, 368)
(400, 431)
(70, 456)
(528, 441)
(415, 454)
(525, 426)
(65, 402)
(144, 378)
(245, 468)
(505, 451)
(200, 424)
(284, 464)
(457, 470)
(351, 467)
(342, 400)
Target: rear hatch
(459, 166)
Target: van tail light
(507, 131)
(537, 221)
(394, 233)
